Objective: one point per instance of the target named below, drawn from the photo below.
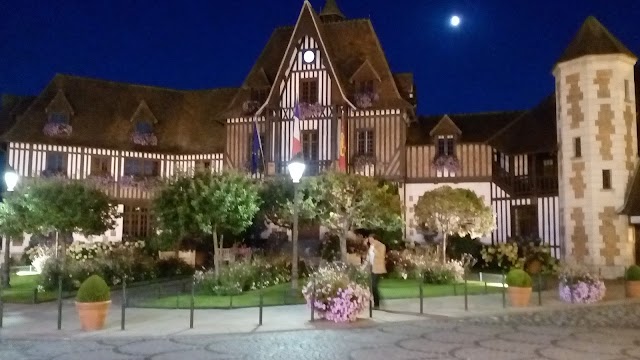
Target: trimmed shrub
(633, 273)
(94, 289)
(518, 278)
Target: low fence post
(193, 302)
(1, 305)
(371, 291)
(626, 291)
(60, 302)
(540, 289)
(260, 310)
(124, 302)
(313, 302)
(35, 296)
(504, 295)
(422, 295)
(466, 293)
(455, 289)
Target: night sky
(500, 58)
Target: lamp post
(11, 179)
(296, 169)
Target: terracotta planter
(633, 289)
(519, 297)
(92, 315)
(534, 266)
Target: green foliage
(633, 273)
(259, 273)
(344, 202)
(460, 245)
(502, 256)
(518, 278)
(277, 202)
(173, 267)
(65, 206)
(175, 215)
(94, 289)
(454, 211)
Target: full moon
(455, 21)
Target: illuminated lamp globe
(11, 179)
(296, 169)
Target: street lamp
(296, 169)
(11, 179)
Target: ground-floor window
(136, 221)
(524, 220)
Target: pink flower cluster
(144, 139)
(310, 110)
(582, 292)
(365, 100)
(337, 293)
(57, 129)
(446, 162)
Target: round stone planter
(519, 296)
(633, 288)
(92, 315)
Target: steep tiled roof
(533, 131)
(188, 121)
(474, 128)
(349, 44)
(331, 11)
(593, 39)
(11, 107)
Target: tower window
(577, 147)
(606, 179)
(627, 90)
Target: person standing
(376, 261)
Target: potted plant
(633, 281)
(578, 286)
(519, 287)
(92, 303)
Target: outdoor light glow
(10, 179)
(455, 20)
(296, 169)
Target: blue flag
(255, 149)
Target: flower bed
(415, 264)
(257, 273)
(337, 292)
(578, 286)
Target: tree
(175, 214)
(277, 196)
(13, 224)
(64, 206)
(454, 211)
(209, 203)
(344, 202)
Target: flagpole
(256, 129)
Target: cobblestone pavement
(600, 332)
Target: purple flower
(310, 110)
(144, 139)
(446, 162)
(365, 100)
(582, 292)
(57, 129)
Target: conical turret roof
(331, 11)
(593, 39)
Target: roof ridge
(114, 82)
(475, 113)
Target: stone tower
(597, 148)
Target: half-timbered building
(564, 170)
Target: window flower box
(446, 162)
(53, 129)
(366, 99)
(361, 161)
(54, 174)
(308, 111)
(250, 107)
(104, 180)
(144, 139)
(139, 182)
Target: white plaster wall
(414, 191)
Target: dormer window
(446, 145)
(144, 127)
(59, 118)
(143, 134)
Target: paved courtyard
(600, 332)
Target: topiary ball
(633, 273)
(94, 289)
(518, 278)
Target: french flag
(296, 145)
